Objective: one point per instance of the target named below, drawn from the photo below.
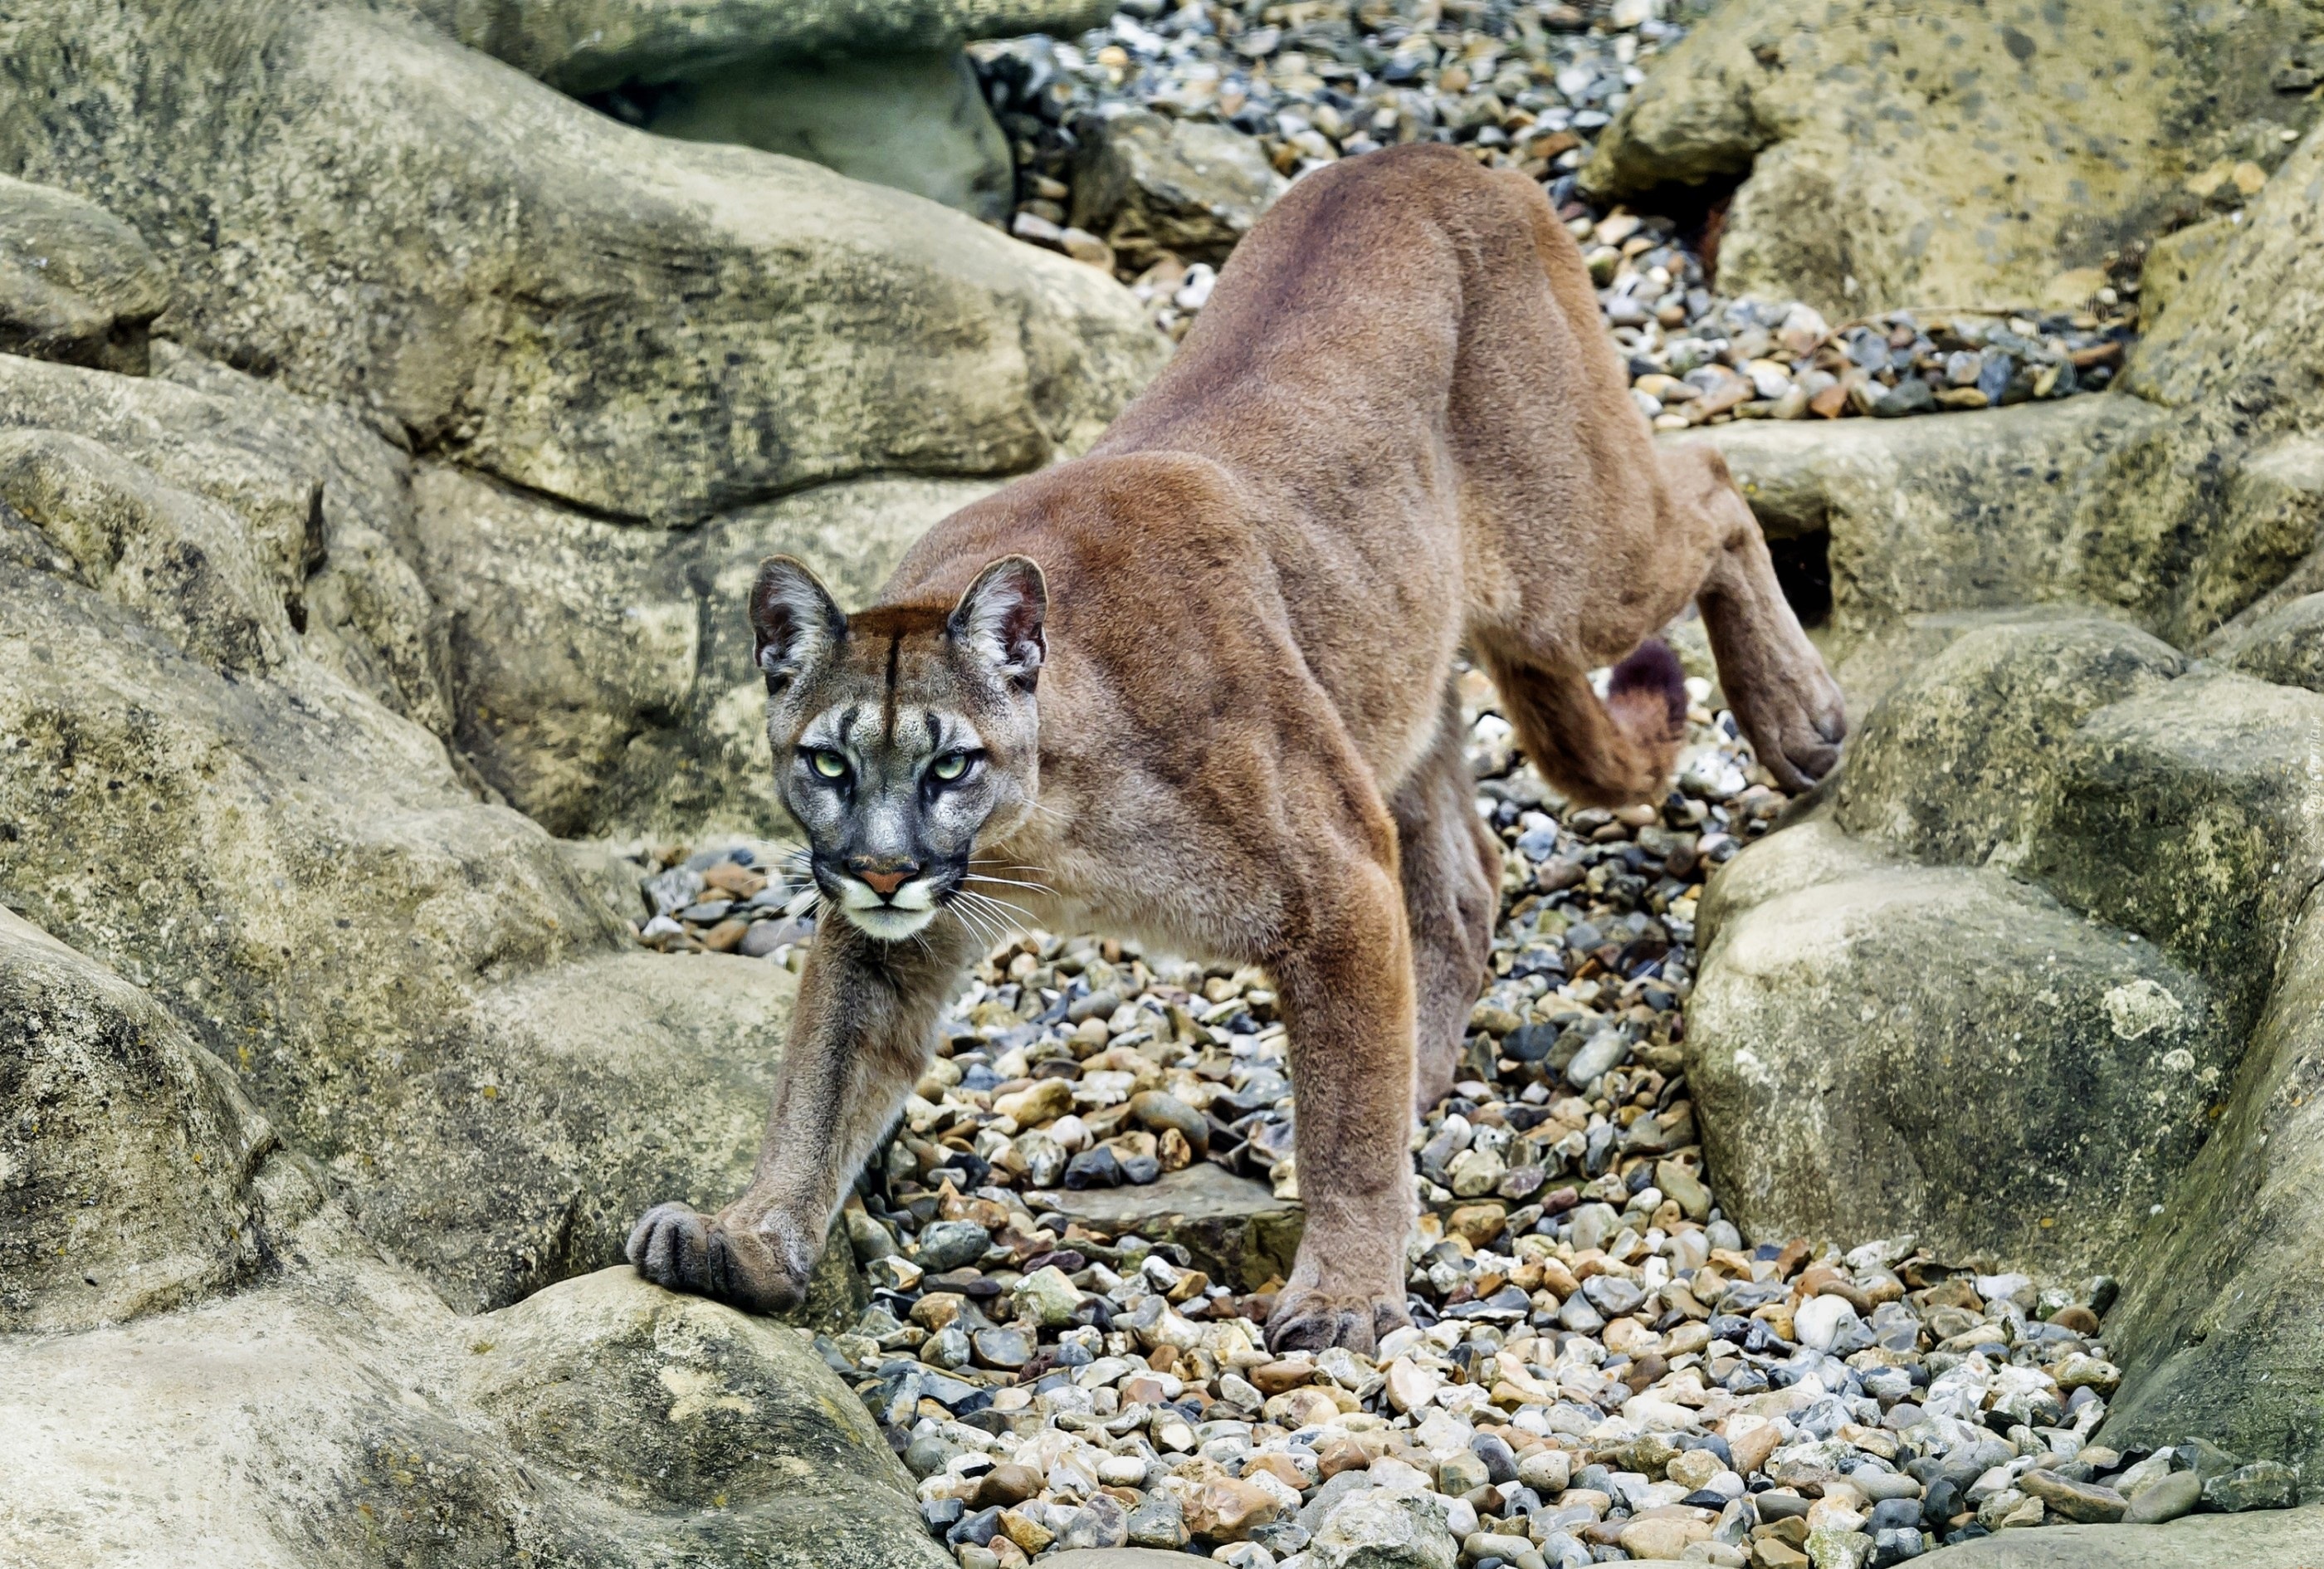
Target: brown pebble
(2077, 1318)
(1334, 1455)
(1274, 1378)
(1007, 1484)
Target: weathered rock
(1959, 763)
(2253, 1541)
(77, 284)
(418, 988)
(2025, 1082)
(1969, 155)
(603, 673)
(2172, 262)
(2239, 1364)
(647, 328)
(1146, 184)
(915, 121)
(1235, 1230)
(1387, 1529)
(2286, 646)
(2190, 814)
(585, 45)
(353, 1419)
(321, 498)
(128, 1150)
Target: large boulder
(1878, 1049)
(126, 1154)
(646, 328)
(2218, 1329)
(2261, 1539)
(2190, 501)
(419, 989)
(337, 1415)
(321, 499)
(1951, 152)
(583, 46)
(76, 283)
(2077, 1029)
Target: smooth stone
(952, 1244)
(2165, 1499)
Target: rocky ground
(1146, 146)
(1599, 1366)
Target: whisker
(1013, 914)
(1009, 882)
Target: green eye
(950, 766)
(830, 765)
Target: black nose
(883, 874)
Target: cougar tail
(1599, 755)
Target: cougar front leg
(1346, 994)
(1786, 700)
(861, 1034)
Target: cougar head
(900, 733)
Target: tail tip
(1652, 670)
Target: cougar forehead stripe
(888, 702)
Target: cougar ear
(999, 619)
(794, 619)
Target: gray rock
(1157, 1523)
(601, 1423)
(2166, 1498)
(131, 1150)
(2264, 1484)
(77, 284)
(1815, 1125)
(2285, 646)
(1384, 1530)
(1959, 762)
(1146, 184)
(587, 45)
(1235, 1230)
(950, 1244)
(647, 328)
(2266, 1540)
(1599, 1055)
(1748, 92)
(913, 120)
(1100, 1522)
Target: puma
(1197, 687)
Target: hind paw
(1313, 1320)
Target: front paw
(676, 1247)
(1313, 1320)
(1798, 728)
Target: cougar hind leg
(1451, 868)
(1598, 754)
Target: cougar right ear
(794, 619)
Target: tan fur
(1398, 429)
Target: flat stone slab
(2261, 1539)
(1234, 1228)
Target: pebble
(1598, 1360)
(1527, 89)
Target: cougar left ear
(793, 618)
(1000, 618)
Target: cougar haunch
(1197, 687)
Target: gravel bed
(1600, 1367)
(1527, 87)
